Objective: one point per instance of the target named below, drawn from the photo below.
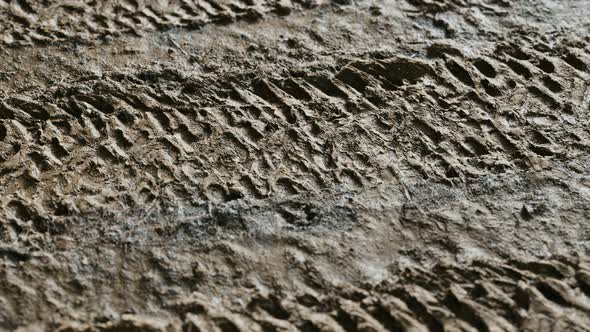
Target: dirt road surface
(285, 165)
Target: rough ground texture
(278, 165)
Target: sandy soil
(281, 165)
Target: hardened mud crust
(285, 165)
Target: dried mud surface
(278, 165)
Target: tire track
(26, 22)
(213, 140)
(300, 173)
(481, 296)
